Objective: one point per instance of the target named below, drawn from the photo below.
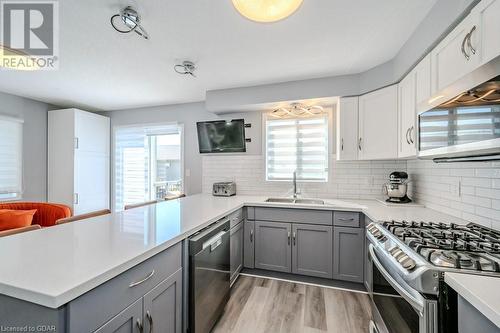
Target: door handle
(467, 57)
(139, 326)
(288, 236)
(149, 317)
(251, 235)
(294, 238)
(149, 276)
(469, 43)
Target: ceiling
(101, 69)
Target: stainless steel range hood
(467, 126)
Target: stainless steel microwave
(467, 127)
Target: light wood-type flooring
(265, 305)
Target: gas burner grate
(469, 246)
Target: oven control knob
(408, 263)
(393, 250)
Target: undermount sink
(282, 200)
(310, 201)
(297, 201)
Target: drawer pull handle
(346, 219)
(139, 326)
(150, 319)
(150, 275)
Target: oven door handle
(418, 304)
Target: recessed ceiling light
(266, 10)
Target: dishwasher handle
(214, 241)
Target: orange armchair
(46, 213)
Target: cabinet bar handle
(463, 47)
(251, 235)
(412, 134)
(149, 276)
(359, 144)
(139, 326)
(469, 43)
(288, 236)
(407, 136)
(294, 238)
(346, 219)
(342, 144)
(150, 319)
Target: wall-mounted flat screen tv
(222, 136)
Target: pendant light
(266, 10)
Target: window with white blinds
(299, 145)
(148, 163)
(11, 158)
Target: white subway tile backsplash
(353, 179)
(478, 199)
(434, 185)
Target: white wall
(34, 142)
(188, 114)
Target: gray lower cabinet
(312, 250)
(127, 321)
(348, 254)
(273, 246)
(249, 244)
(236, 240)
(160, 310)
(163, 306)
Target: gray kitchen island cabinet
(160, 310)
(312, 250)
(348, 254)
(127, 321)
(149, 292)
(273, 246)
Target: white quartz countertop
(483, 292)
(55, 265)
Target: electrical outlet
(456, 189)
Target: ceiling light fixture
(17, 60)
(266, 10)
(187, 67)
(297, 110)
(131, 22)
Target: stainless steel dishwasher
(209, 276)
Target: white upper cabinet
(423, 80)
(347, 129)
(487, 14)
(407, 116)
(378, 124)
(456, 55)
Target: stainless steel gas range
(407, 262)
